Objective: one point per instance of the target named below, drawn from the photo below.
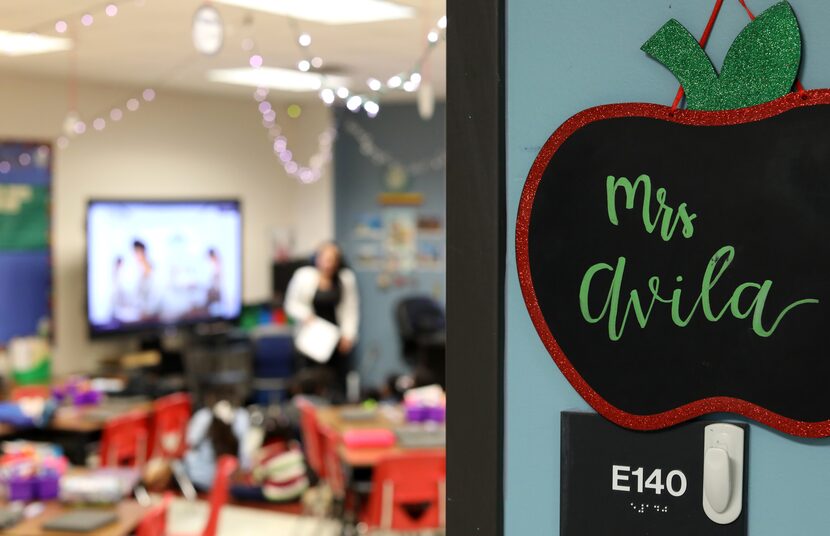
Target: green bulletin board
(24, 217)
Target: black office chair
(422, 329)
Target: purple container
(436, 414)
(88, 398)
(417, 413)
(47, 486)
(21, 488)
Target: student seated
(214, 431)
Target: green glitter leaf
(761, 64)
(680, 53)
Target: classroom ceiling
(148, 43)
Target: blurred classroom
(222, 267)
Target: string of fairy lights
(72, 24)
(330, 93)
(34, 155)
(74, 125)
(307, 174)
(378, 156)
(367, 98)
(408, 81)
(84, 18)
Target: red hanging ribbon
(705, 39)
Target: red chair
(225, 467)
(408, 493)
(168, 431)
(125, 440)
(333, 468)
(155, 522)
(312, 439)
(168, 436)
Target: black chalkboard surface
(678, 263)
(595, 451)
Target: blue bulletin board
(25, 236)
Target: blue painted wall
(399, 131)
(563, 57)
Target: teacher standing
(327, 290)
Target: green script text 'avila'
(668, 219)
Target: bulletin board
(25, 237)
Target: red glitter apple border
(684, 117)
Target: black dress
(325, 303)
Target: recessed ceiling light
(329, 11)
(274, 78)
(24, 44)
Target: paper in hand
(317, 339)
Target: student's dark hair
(220, 434)
(222, 438)
(138, 244)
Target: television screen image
(153, 263)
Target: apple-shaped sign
(675, 261)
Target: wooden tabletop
(330, 417)
(93, 418)
(86, 419)
(130, 514)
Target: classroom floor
(189, 517)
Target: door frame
(476, 242)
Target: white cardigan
(299, 298)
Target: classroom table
(74, 428)
(130, 514)
(330, 417)
(93, 418)
(86, 419)
(360, 462)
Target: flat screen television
(155, 264)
